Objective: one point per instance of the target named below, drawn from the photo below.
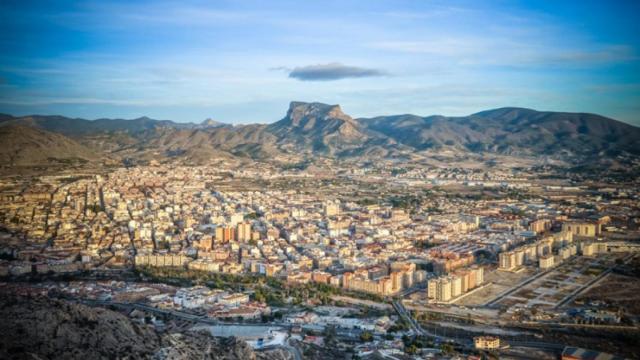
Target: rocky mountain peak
(317, 128)
(209, 122)
(303, 114)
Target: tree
(259, 296)
(447, 348)
(411, 349)
(329, 335)
(406, 340)
(252, 216)
(366, 336)
(534, 311)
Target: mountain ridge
(317, 129)
(25, 145)
(7, 116)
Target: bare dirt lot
(616, 290)
(553, 287)
(501, 281)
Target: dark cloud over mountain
(331, 71)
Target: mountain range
(311, 130)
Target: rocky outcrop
(202, 346)
(43, 328)
(318, 128)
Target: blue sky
(244, 61)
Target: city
(322, 180)
(466, 261)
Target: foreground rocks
(43, 328)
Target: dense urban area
(319, 180)
(333, 260)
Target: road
(415, 326)
(292, 349)
(350, 334)
(202, 319)
(410, 290)
(582, 289)
(190, 317)
(537, 345)
(404, 314)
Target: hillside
(78, 127)
(200, 145)
(316, 129)
(25, 145)
(513, 131)
(42, 328)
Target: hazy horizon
(266, 122)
